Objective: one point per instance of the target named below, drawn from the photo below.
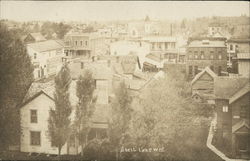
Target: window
(81, 43)
(82, 65)
(196, 56)
(72, 141)
(202, 56)
(243, 141)
(220, 56)
(219, 71)
(33, 116)
(190, 70)
(159, 45)
(231, 47)
(76, 43)
(196, 70)
(243, 112)
(211, 56)
(35, 138)
(38, 73)
(35, 55)
(86, 43)
(225, 108)
(190, 56)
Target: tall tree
(120, 117)
(59, 121)
(169, 118)
(61, 29)
(86, 106)
(16, 75)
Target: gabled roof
(45, 45)
(240, 93)
(239, 125)
(99, 118)
(206, 70)
(226, 87)
(37, 36)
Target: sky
(118, 10)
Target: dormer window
(225, 108)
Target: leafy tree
(61, 29)
(120, 118)
(16, 73)
(59, 121)
(48, 28)
(167, 117)
(86, 106)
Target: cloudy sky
(117, 10)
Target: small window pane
(35, 138)
(33, 116)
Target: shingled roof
(206, 70)
(45, 45)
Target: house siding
(204, 85)
(42, 104)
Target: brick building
(203, 52)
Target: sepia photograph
(124, 80)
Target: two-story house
(34, 114)
(232, 104)
(35, 109)
(84, 45)
(203, 52)
(164, 46)
(46, 56)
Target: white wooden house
(46, 56)
(34, 113)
